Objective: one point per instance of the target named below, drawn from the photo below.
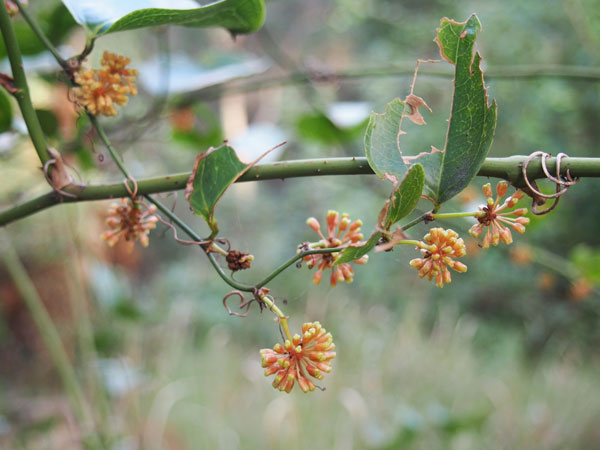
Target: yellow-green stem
(454, 215)
(408, 242)
(282, 317)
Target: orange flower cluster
(99, 90)
(491, 216)
(132, 220)
(308, 354)
(439, 248)
(340, 232)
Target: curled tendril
(562, 182)
(243, 304)
(47, 165)
(132, 192)
(257, 296)
(181, 241)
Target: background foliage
(504, 357)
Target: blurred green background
(506, 356)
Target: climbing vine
(436, 175)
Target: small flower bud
(501, 188)
(317, 276)
(487, 190)
(476, 230)
(520, 212)
(313, 223)
(506, 236)
(518, 227)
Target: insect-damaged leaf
(214, 171)
(109, 16)
(470, 129)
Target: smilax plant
(436, 175)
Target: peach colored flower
(305, 355)
(438, 249)
(340, 232)
(132, 220)
(580, 289)
(491, 216)
(521, 254)
(99, 90)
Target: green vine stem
(22, 95)
(409, 242)
(293, 259)
(282, 317)
(455, 215)
(49, 333)
(506, 168)
(113, 152)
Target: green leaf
(110, 16)
(406, 196)
(48, 121)
(470, 127)
(6, 114)
(214, 172)
(319, 127)
(587, 260)
(205, 131)
(353, 253)
(55, 22)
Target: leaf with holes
(470, 127)
(110, 16)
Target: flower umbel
(304, 355)
(131, 219)
(340, 232)
(99, 90)
(438, 249)
(491, 216)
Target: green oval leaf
(110, 16)
(6, 114)
(405, 197)
(353, 253)
(470, 127)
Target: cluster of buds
(304, 355)
(492, 216)
(99, 90)
(438, 247)
(340, 232)
(131, 220)
(237, 260)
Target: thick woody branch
(506, 168)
